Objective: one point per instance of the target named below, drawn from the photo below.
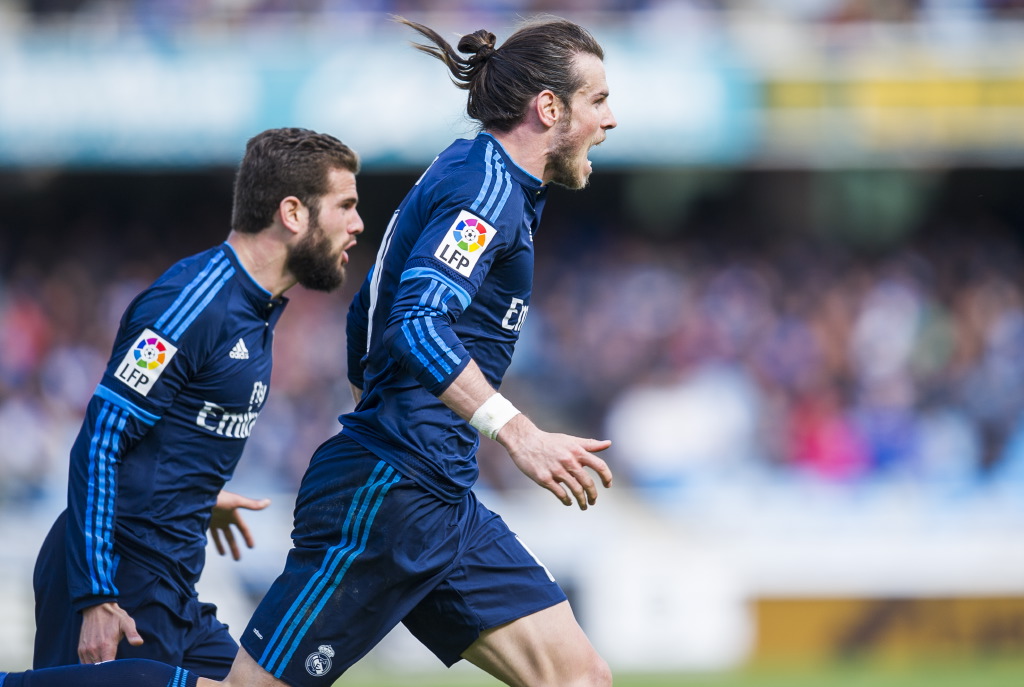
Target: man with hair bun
(387, 527)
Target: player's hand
(225, 514)
(557, 462)
(103, 626)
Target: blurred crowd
(56, 330)
(704, 360)
(803, 362)
(239, 13)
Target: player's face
(318, 259)
(586, 126)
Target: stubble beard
(564, 160)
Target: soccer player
(387, 527)
(189, 375)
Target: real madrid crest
(318, 663)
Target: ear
(549, 108)
(294, 215)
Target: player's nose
(609, 121)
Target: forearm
(468, 391)
(475, 400)
(554, 461)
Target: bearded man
(188, 376)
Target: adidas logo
(239, 352)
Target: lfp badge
(461, 247)
(470, 234)
(145, 361)
(151, 353)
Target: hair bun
(480, 43)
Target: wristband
(492, 415)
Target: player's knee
(600, 673)
(594, 673)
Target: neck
(526, 149)
(264, 260)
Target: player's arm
(111, 427)
(420, 336)
(556, 462)
(356, 336)
(146, 371)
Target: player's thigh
(545, 648)
(210, 650)
(369, 544)
(161, 614)
(175, 626)
(495, 579)
(58, 625)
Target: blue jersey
(452, 282)
(189, 374)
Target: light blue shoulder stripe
(230, 272)
(199, 300)
(123, 403)
(504, 196)
(427, 273)
(487, 177)
(173, 311)
(500, 175)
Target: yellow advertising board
(888, 629)
(897, 114)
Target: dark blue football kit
(163, 432)
(388, 528)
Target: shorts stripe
(310, 602)
(180, 678)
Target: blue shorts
(372, 549)
(176, 627)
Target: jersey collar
(262, 300)
(524, 178)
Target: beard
(312, 262)
(564, 160)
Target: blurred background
(792, 296)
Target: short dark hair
(501, 81)
(285, 162)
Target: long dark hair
(285, 162)
(502, 80)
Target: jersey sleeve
(153, 359)
(447, 265)
(357, 332)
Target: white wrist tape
(492, 415)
